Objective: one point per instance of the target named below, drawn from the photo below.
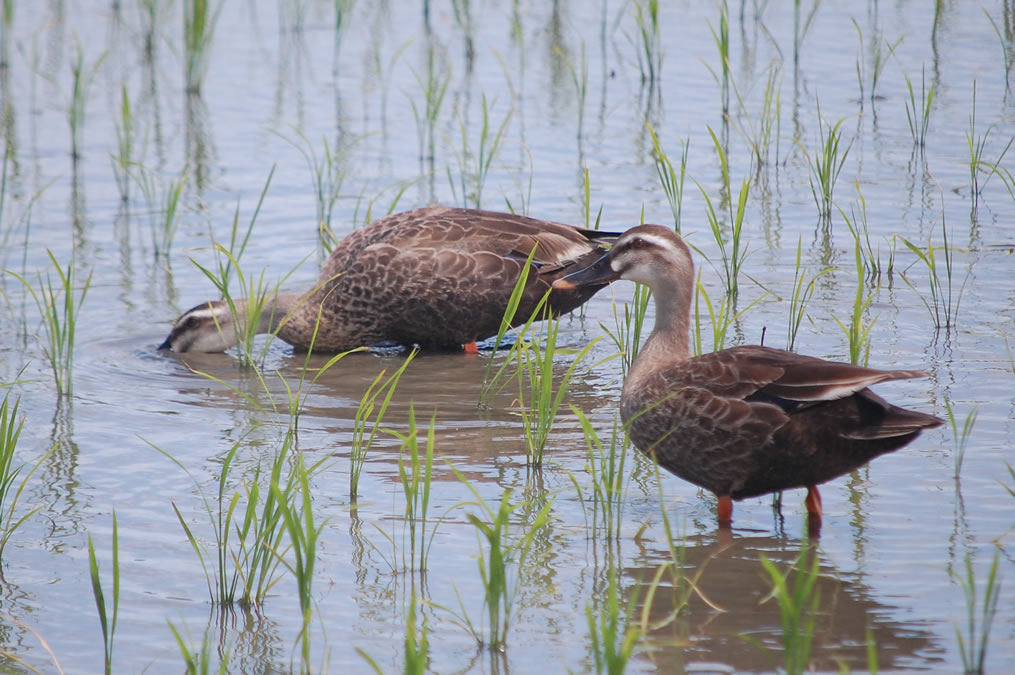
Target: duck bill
(598, 273)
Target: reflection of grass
(612, 644)
(798, 607)
(960, 436)
(973, 644)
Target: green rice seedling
(856, 221)
(722, 43)
(499, 560)
(580, 79)
(945, 299)
(730, 245)
(434, 85)
(606, 467)
(107, 620)
(627, 330)
(803, 290)
(650, 58)
(536, 385)
(826, 166)
(612, 633)
(368, 418)
(200, 661)
(247, 528)
(163, 200)
(199, 19)
(10, 490)
(303, 534)
(918, 116)
(671, 181)
(721, 316)
(328, 174)
(493, 382)
(978, 165)
(960, 436)
(798, 607)
(858, 331)
(81, 81)
(124, 156)
(415, 470)
(471, 179)
(59, 309)
(759, 135)
(973, 644)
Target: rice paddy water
(270, 511)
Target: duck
(748, 420)
(435, 277)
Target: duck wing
(558, 246)
(752, 419)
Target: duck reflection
(730, 624)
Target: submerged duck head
(208, 327)
(652, 255)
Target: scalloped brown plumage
(437, 277)
(748, 420)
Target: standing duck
(748, 420)
(437, 277)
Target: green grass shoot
(368, 418)
(59, 309)
(107, 611)
(10, 489)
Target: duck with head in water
(748, 420)
(436, 277)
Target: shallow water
(893, 531)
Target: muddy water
(893, 531)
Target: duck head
(646, 254)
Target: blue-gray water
(278, 84)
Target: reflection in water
(739, 606)
(59, 484)
(200, 149)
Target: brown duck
(749, 420)
(436, 277)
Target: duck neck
(669, 342)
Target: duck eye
(638, 243)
